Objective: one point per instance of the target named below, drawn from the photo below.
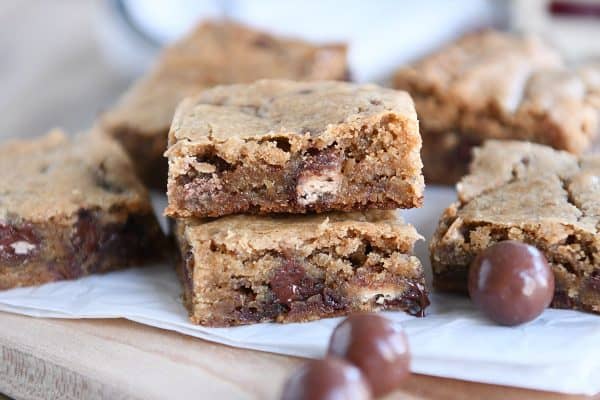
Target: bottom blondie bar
(534, 194)
(245, 269)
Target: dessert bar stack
(496, 85)
(282, 194)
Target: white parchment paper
(560, 351)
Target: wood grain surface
(119, 359)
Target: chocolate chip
(594, 281)
(318, 160)
(329, 379)
(102, 180)
(376, 346)
(305, 91)
(562, 300)
(94, 243)
(263, 41)
(290, 283)
(511, 282)
(375, 102)
(85, 235)
(18, 243)
(360, 255)
(464, 151)
(414, 300)
(188, 268)
(333, 299)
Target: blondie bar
(214, 53)
(244, 269)
(70, 208)
(292, 147)
(493, 85)
(533, 194)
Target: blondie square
(279, 146)
(70, 208)
(493, 85)
(534, 194)
(216, 52)
(245, 269)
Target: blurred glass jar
(382, 35)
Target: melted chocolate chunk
(269, 310)
(333, 299)
(316, 160)
(291, 283)
(18, 243)
(103, 181)
(188, 268)
(414, 300)
(94, 243)
(318, 176)
(562, 300)
(263, 41)
(464, 150)
(376, 346)
(594, 281)
(85, 236)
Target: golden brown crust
(54, 177)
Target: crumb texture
(244, 269)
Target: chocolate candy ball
(376, 346)
(511, 282)
(329, 379)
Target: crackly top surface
(247, 233)
(271, 107)
(218, 52)
(525, 184)
(481, 68)
(54, 176)
(510, 78)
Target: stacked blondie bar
(279, 190)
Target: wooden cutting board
(119, 359)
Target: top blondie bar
(292, 147)
(493, 85)
(216, 52)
